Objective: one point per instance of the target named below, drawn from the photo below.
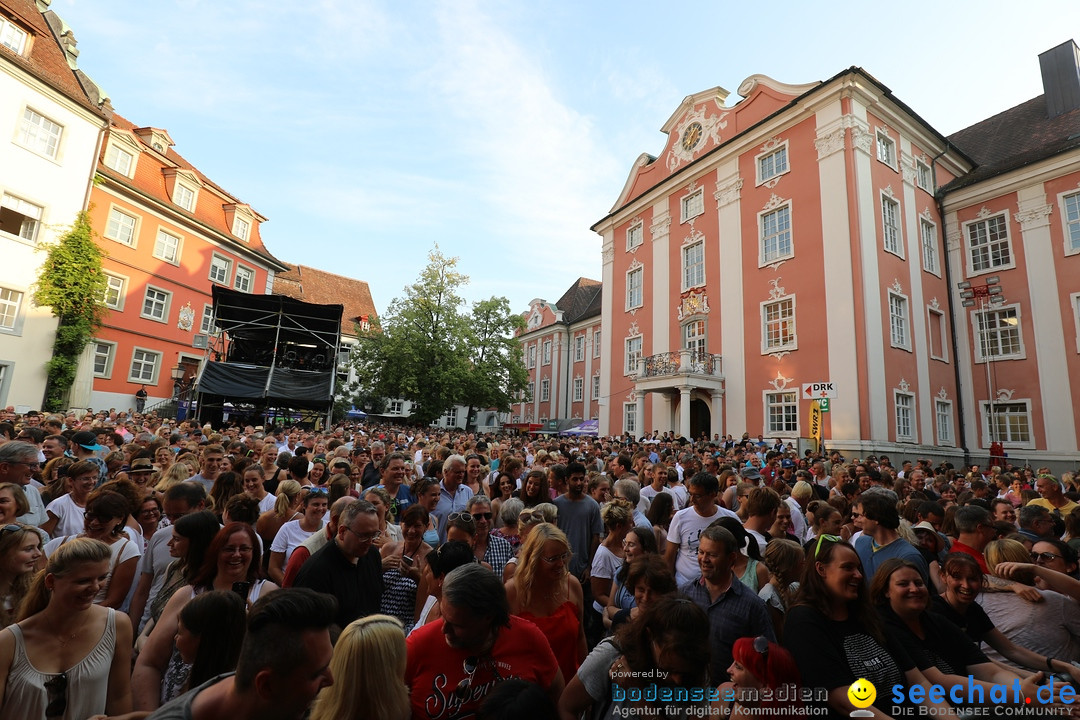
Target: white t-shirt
(681, 495)
(122, 550)
(267, 503)
(605, 564)
(685, 531)
(289, 538)
(70, 516)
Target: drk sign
(817, 390)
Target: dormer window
(240, 218)
(12, 36)
(119, 160)
(184, 197)
(241, 228)
(183, 187)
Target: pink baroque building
(791, 237)
(562, 347)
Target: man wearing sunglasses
(18, 463)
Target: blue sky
(367, 131)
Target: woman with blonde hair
(176, 473)
(81, 651)
(371, 654)
(20, 551)
(544, 592)
(286, 508)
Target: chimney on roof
(1061, 78)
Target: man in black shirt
(349, 567)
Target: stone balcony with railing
(680, 363)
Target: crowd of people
(153, 568)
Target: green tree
(498, 373)
(71, 283)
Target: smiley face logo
(862, 693)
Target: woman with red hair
(763, 674)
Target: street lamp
(985, 295)
(177, 374)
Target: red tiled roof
(47, 60)
(312, 285)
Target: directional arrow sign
(813, 391)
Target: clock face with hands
(691, 136)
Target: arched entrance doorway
(700, 418)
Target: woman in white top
(67, 657)
(254, 477)
(66, 512)
(106, 517)
(618, 517)
(294, 532)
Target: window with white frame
(693, 261)
(184, 197)
(633, 354)
(772, 164)
(924, 177)
(890, 225)
(19, 217)
(1071, 215)
(119, 159)
(1010, 422)
(778, 325)
(595, 388)
(104, 352)
(532, 355)
(245, 279)
(39, 134)
(905, 416)
(998, 333)
(596, 344)
(167, 247)
(936, 330)
(988, 243)
(532, 390)
(886, 149)
(206, 325)
(397, 407)
(545, 390)
(579, 348)
(634, 282)
(241, 228)
(694, 338)
(630, 418)
(156, 304)
(220, 269)
(10, 302)
(928, 232)
(776, 235)
(1074, 300)
(121, 228)
(943, 421)
(635, 235)
(547, 352)
(144, 366)
(113, 297)
(451, 417)
(579, 389)
(12, 36)
(782, 413)
(693, 204)
(899, 321)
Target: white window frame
(156, 371)
(782, 400)
(545, 390)
(32, 214)
(764, 257)
(595, 388)
(976, 330)
(12, 36)
(630, 418)
(117, 223)
(984, 410)
(596, 338)
(206, 322)
(397, 407)
(579, 348)
(635, 293)
(166, 304)
(897, 323)
(545, 354)
(991, 267)
(241, 228)
(892, 233)
(1070, 220)
(212, 274)
(532, 391)
(692, 204)
(929, 243)
(793, 344)
(885, 148)
(241, 269)
(943, 339)
(115, 284)
(693, 275)
(179, 197)
(924, 176)
(635, 235)
(761, 158)
(1074, 301)
(532, 355)
(179, 246)
(693, 340)
(579, 389)
(943, 422)
(39, 134)
(119, 159)
(451, 417)
(631, 357)
(110, 358)
(16, 305)
(911, 433)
